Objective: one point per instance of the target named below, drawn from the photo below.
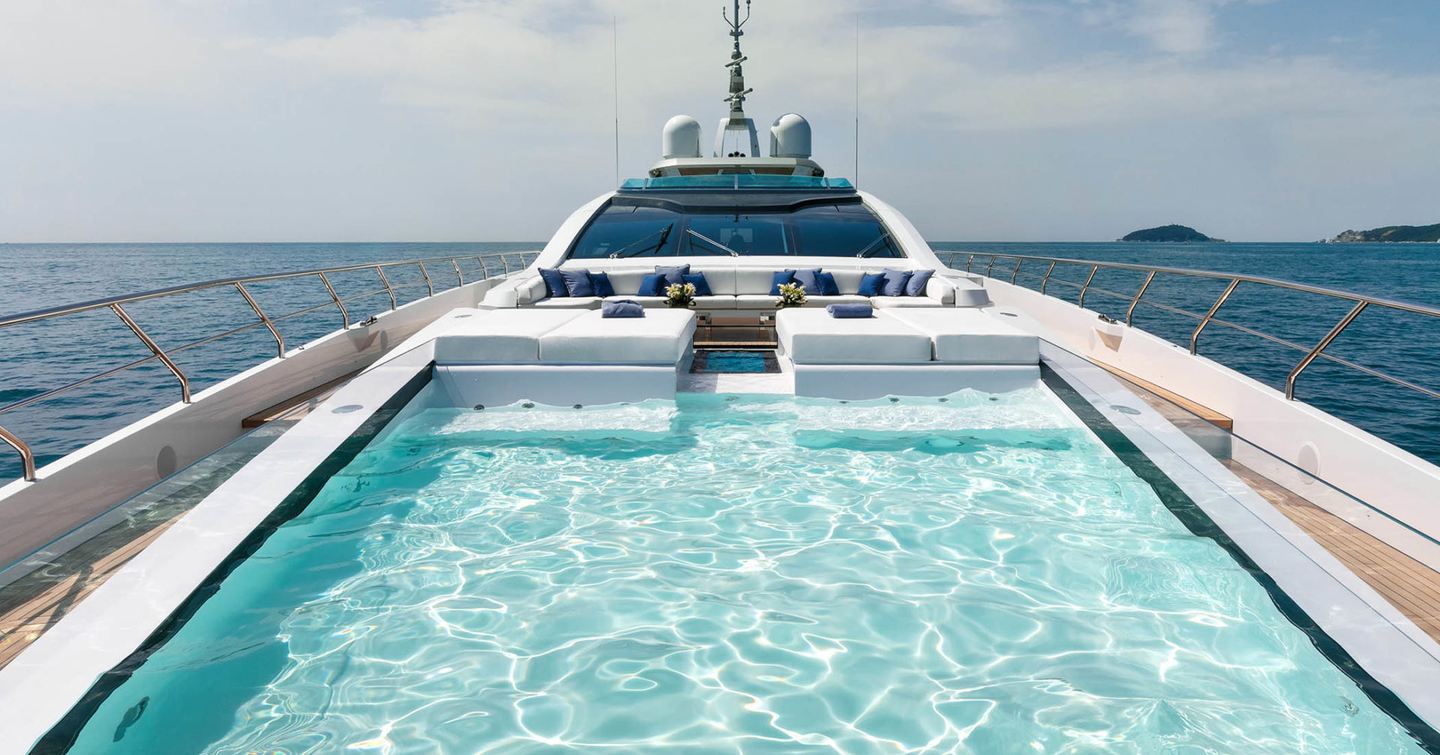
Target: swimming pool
(722, 574)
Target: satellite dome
(681, 138)
(790, 137)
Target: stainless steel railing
(1359, 303)
(508, 261)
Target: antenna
(737, 72)
(615, 64)
(856, 174)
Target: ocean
(44, 356)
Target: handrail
(1360, 303)
(116, 304)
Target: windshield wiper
(869, 250)
(664, 236)
(708, 240)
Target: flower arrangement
(680, 295)
(791, 295)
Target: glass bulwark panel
(827, 230)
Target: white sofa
(746, 288)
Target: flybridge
(738, 182)
(737, 142)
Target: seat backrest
(754, 280)
(848, 281)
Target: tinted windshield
(825, 230)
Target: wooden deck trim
(1200, 410)
(272, 413)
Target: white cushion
(754, 281)
(940, 289)
(500, 336)
(568, 302)
(644, 301)
(626, 282)
(904, 302)
(715, 302)
(848, 281)
(825, 301)
(970, 336)
(531, 290)
(755, 301)
(662, 336)
(720, 280)
(812, 336)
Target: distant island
(1169, 233)
(1391, 233)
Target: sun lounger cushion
(971, 336)
(661, 337)
(812, 336)
(501, 336)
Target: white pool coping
(1386, 644)
(48, 678)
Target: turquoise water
(722, 574)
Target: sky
(492, 120)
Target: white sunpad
(500, 336)
(971, 336)
(661, 337)
(812, 336)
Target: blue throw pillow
(828, 286)
(781, 278)
(872, 284)
(652, 285)
(810, 281)
(702, 286)
(916, 286)
(554, 283)
(577, 282)
(601, 283)
(674, 274)
(895, 281)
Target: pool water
(720, 574)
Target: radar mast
(737, 136)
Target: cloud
(493, 118)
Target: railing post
(991, 266)
(505, 264)
(1045, 282)
(429, 286)
(1130, 313)
(384, 281)
(1086, 288)
(1195, 337)
(1016, 272)
(484, 271)
(1320, 347)
(969, 262)
(156, 350)
(459, 275)
(255, 305)
(344, 315)
(27, 457)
